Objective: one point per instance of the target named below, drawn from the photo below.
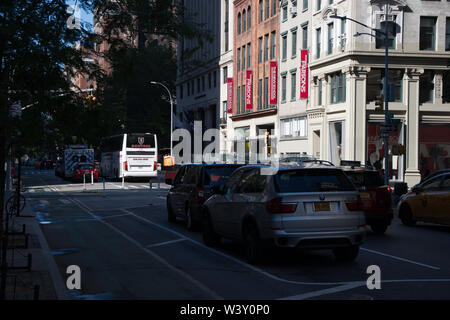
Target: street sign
(384, 135)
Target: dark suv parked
(376, 197)
(191, 187)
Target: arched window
(249, 18)
(239, 23)
(244, 20)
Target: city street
(126, 249)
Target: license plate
(322, 206)
(364, 195)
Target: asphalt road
(126, 249)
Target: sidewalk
(21, 283)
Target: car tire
(406, 216)
(379, 228)
(210, 238)
(252, 244)
(190, 222)
(171, 217)
(346, 253)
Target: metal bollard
(84, 181)
(159, 185)
(103, 183)
(92, 177)
(123, 182)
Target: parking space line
(165, 243)
(400, 259)
(313, 294)
(178, 271)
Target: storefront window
(434, 148)
(446, 86)
(426, 87)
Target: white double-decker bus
(129, 155)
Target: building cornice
(256, 114)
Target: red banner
(304, 74)
(230, 95)
(273, 82)
(249, 91)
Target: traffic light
(379, 103)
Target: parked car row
(310, 204)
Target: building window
(336, 139)
(293, 85)
(274, 7)
(375, 84)
(260, 50)
(293, 127)
(318, 5)
(266, 92)
(249, 18)
(284, 46)
(426, 87)
(446, 86)
(284, 12)
(283, 87)
(267, 9)
(215, 79)
(239, 23)
(249, 51)
(304, 37)
(305, 5)
(330, 1)
(181, 91)
(266, 47)
(239, 60)
(209, 80)
(225, 76)
(243, 58)
(260, 88)
(244, 20)
(427, 39)
(274, 46)
(238, 100)
(188, 89)
(261, 11)
(198, 85)
(193, 89)
(447, 35)
(318, 42)
(330, 38)
(203, 83)
(227, 23)
(343, 34)
(319, 89)
(294, 43)
(337, 88)
(392, 35)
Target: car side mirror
(169, 182)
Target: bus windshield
(138, 140)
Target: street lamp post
(386, 81)
(171, 112)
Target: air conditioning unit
(293, 11)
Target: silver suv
(304, 206)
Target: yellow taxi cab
(428, 201)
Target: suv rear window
(217, 175)
(315, 180)
(85, 166)
(137, 140)
(365, 178)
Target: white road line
(65, 201)
(113, 216)
(164, 243)
(112, 184)
(132, 186)
(313, 294)
(151, 253)
(400, 259)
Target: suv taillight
(278, 206)
(155, 166)
(384, 196)
(125, 164)
(199, 194)
(354, 206)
